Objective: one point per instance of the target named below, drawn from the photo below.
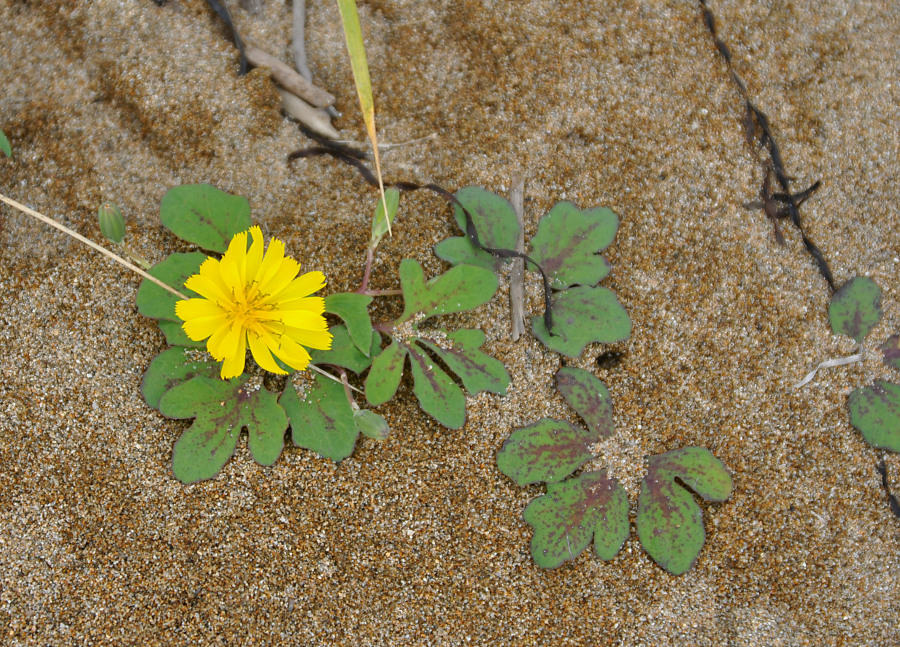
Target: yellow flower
(255, 300)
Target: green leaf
(380, 224)
(371, 424)
(461, 288)
(571, 512)
(891, 350)
(875, 412)
(204, 215)
(354, 310)
(157, 303)
(583, 315)
(856, 308)
(343, 351)
(547, 450)
(384, 378)
(669, 521)
(321, 419)
(496, 224)
(175, 335)
(174, 366)
(438, 394)
(4, 145)
(590, 399)
(222, 408)
(477, 371)
(568, 241)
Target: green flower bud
(112, 222)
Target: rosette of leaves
(567, 246)
(874, 410)
(433, 353)
(593, 506)
(183, 381)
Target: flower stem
(89, 243)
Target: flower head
(248, 298)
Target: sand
(418, 539)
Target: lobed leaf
(891, 350)
(384, 377)
(589, 397)
(438, 394)
(495, 221)
(343, 351)
(321, 419)
(548, 450)
(172, 367)
(568, 241)
(204, 215)
(157, 303)
(461, 288)
(669, 521)
(221, 408)
(175, 335)
(565, 519)
(354, 310)
(875, 413)
(855, 309)
(476, 370)
(583, 315)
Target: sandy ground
(419, 540)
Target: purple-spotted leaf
(856, 308)
(477, 371)
(320, 416)
(547, 450)
(568, 242)
(565, 519)
(496, 224)
(437, 393)
(221, 408)
(891, 350)
(461, 288)
(174, 366)
(204, 215)
(589, 397)
(345, 353)
(669, 521)
(157, 303)
(384, 376)
(353, 309)
(875, 412)
(583, 315)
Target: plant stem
(382, 293)
(370, 256)
(89, 243)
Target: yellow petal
(254, 255)
(281, 278)
(294, 355)
(263, 355)
(303, 319)
(234, 363)
(315, 305)
(271, 261)
(319, 339)
(208, 283)
(200, 329)
(302, 286)
(223, 341)
(196, 309)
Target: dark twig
(353, 157)
(892, 499)
(757, 129)
(224, 14)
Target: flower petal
(254, 255)
(271, 261)
(261, 353)
(303, 319)
(234, 363)
(200, 329)
(292, 354)
(300, 287)
(319, 339)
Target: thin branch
(313, 118)
(517, 273)
(287, 78)
(330, 376)
(89, 243)
(298, 39)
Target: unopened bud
(112, 222)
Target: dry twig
(517, 274)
